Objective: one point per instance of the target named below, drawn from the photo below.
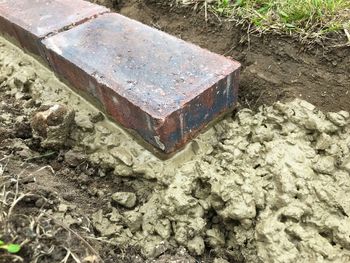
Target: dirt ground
(51, 194)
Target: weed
(11, 248)
(42, 235)
(223, 7)
(309, 19)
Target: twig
(248, 35)
(248, 104)
(40, 156)
(43, 253)
(100, 239)
(4, 158)
(3, 167)
(347, 34)
(70, 253)
(261, 94)
(15, 202)
(229, 51)
(75, 257)
(77, 235)
(40, 169)
(65, 259)
(15, 258)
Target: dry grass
(40, 236)
(311, 20)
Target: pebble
(73, 158)
(125, 199)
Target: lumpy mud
(270, 186)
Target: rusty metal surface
(164, 88)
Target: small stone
(215, 238)
(101, 173)
(83, 178)
(324, 141)
(125, 199)
(62, 208)
(100, 193)
(53, 124)
(73, 158)
(196, 245)
(69, 220)
(220, 260)
(307, 105)
(4, 133)
(133, 220)
(346, 165)
(163, 228)
(246, 223)
(115, 216)
(68, 196)
(104, 226)
(22, 129)
(97, 117)
(19, 95)
(160, 249)
(123, 155)
(324, 165)
(40, 202)
(340, 119)
(154, 248)
(84, 122)
(25, 153)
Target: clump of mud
(52, 125)
(271, 186)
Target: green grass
(310, 19)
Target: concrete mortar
(271, 186)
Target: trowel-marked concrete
(28, 21)
(163, 88)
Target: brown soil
(274, 68)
